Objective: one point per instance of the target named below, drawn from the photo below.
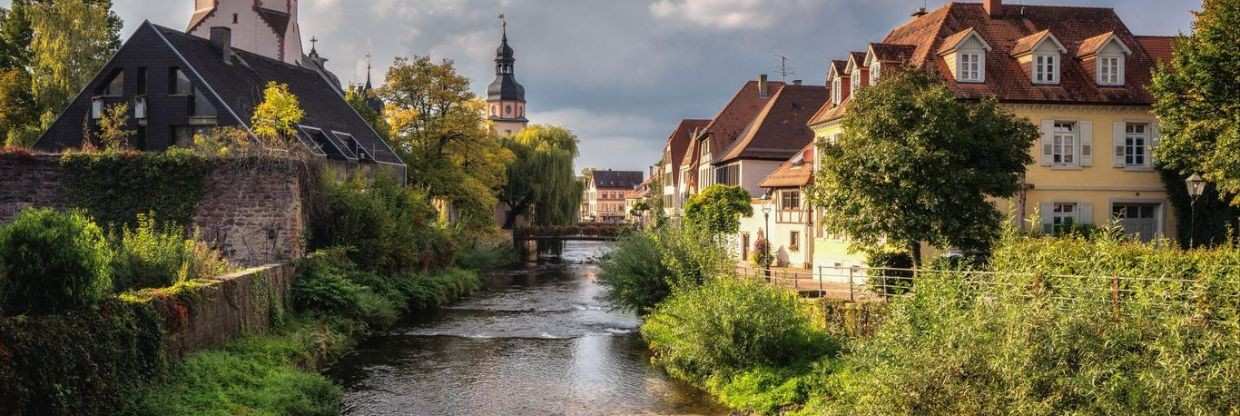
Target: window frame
(175, 74)
(1104, 71)
(794, 240)
(1046, 68)
(1062, 221)
(1065, 148)
(1132, 148)
(975, 66)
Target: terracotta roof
(1159, 48)
(838, 66)
(795, 173)
(1019, 27)
(830, 111)
(731, 122)
(1095, 44)
(198, 17)
(616, 179)
(885, 52)
(952, 42)
(678, 143)
(782, 127)
(1028, 43)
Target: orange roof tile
(782, 126)
(1160, 48)
(795, 173)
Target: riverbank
(334, 307)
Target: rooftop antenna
(784, 71)
(922, 11)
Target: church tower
(505, 96)
(264, 27)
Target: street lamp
(1196, 187)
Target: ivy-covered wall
(253, 211)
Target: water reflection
(538, 343)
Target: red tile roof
(726, 128)
(782, 128)
(1158, 47)
(1026, 44)
(679, 142)
(1017, 29)
(795, 173)
(892, 53)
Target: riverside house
(1077, 73)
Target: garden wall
(254, 212)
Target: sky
(619, 73)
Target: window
(202, 106)
(1046, 69)
(115, 86)
(1136, 145)
(235, 18)
(969, 67)
(794, 241)
(728, 175)
(1064, 142)
(178, 82)
(1138, 219)
(1064, 217)
(790, 200)
(874, 71)
(141, 81)
(856, 81)
(1110, 70)
(837, 90)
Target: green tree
(917, 164)
(718, 209)
(358, 98)
(113, 134)
(18, 112)
(70, 41)
(439, 128)
(276, 117)
(541, 181)
(1197, 100)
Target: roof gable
(737, 115)
(836, 70)
(1037, 41)
(856, 60)
(794, 173)
(783, 126)
(888, 53)
(1100, 43)
(961, 39)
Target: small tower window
(236, 18)
(508, 110)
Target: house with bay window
(1077, 73)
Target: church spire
(506, 96)
(368, 84)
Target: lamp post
(1196, 187)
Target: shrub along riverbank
(1066, 325)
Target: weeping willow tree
(541, 182)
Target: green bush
(496, 256)
(51, 262)
(728, 326)
(634, 273)
(328, 286)
(388, 228)
(115, 187)
(1067, 326)
(895, 275)
(150, 256)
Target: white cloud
(726, 14)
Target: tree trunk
(915, 253)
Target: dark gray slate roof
(241, 86)
(616, 179)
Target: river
(536, 342)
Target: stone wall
(246, 303)
(253, 212)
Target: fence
(1205, 296)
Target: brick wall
(254, 214)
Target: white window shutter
(1046, 213)
(1087, 143)
(1117, 140)
(1047, 142)
(1085, 213)
(1155, 138)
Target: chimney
(221, 39)
(994, 8)
(763, 89)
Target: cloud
(726, 14)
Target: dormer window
(1046, 69)
(837, 90)
(874, 71)
(1105, 55)
(970, 66)
(856, 83)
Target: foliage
(388, 228)
(112, 132)
(1038, 341)
(223, 142)
(762, 256)
(648, 266)
(329, 284)
(719, 208)
(71, 40)
(115, 187)
(917, 164)
(487, 257)
(634, 273)
(17, 108)
(541, 180)
(895, 276)
(1207, 221)
(51, 262)
(750, 344)
(357, 97)
(268, 375)
(438, 128)
(432, 291)
(276, 117)
(79, 363)
(1196, 96)
(151, 256)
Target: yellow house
(1076, 72)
